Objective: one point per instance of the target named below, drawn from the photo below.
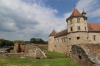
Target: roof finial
(74, 6)
(83, 12)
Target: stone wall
(11, 54)
(51, 43)
(34, 51)
(62, 44)
(29, 50)
(19, 48)
(86, 54)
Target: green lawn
(56, 59)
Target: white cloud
(22, 20)
(90, 6)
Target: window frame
(78, 20)
(94, 37)
(71, 28)
(78, 28)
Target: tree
(33, 40)
(40, 41)
(19, 41)
(0, 43)
(37, 41)
(4, 42)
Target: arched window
(78, 20)
(71, 21)
(71, 28)
(78, 27)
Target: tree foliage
(4, 42)
(19, 41)
(37, 41)
(33, 40)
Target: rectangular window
(78, 20)
(87, 37)
(71, 21)
(71, 28)
(78, 27)
(94, 37)
(62, 39)
(85, 28)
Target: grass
(36, 62)
(60, 60)
(11, 51)
(53, 55)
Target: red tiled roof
(75, 13)
(93, 26)
(53, 33)
(62, 33)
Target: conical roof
(53, 33)
(83, 12)
(75, 13)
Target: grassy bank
(53, 59)
(36, 62)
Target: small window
(71, 21)
(66, 39)
(62, 39)
(78, 20)
(69, 38)
(85, 28)
(94, 37)
(87, 37)
(78, 27)
(78, 38)
(71, 28)
(80, 57)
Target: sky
(26, 19)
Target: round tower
(76, 21)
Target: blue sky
(62, 6)
(25, 19)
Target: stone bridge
(22, 50)
(88, 54)
(34, 51)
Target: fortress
(78, 32)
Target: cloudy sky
(25, 19)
